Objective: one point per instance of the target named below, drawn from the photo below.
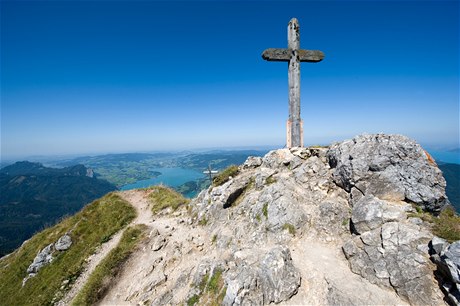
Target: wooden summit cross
(294, 55)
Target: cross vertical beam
(293, 55)
(294, 130)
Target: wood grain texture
(284, 55)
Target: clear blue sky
(124, 76)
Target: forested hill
(451, 173)
(34, 196)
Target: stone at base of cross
(289, 143)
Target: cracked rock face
(309, 226)
(390, 167)
(366, 185)
(447, 258)
(273, 280)
(388, 256)
(43, 258)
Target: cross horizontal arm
(283, 55)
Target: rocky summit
(338, 225)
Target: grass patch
(162, 197)
(290, 228)
(265, 210)
(225, 175)
(99, 281)
(258, 218)
(212, 290)
(203, 221)
(193, 300)
(447, 225)
(95, 222)
(270, 180)
(214, 239)
(214, 282)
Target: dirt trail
(137, 198)
(325, 273)
(172, 251)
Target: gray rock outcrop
(447, 258)
(388, 256)
(307, 226)
(275, 279)
(384, 175)
(390, 167)
(370, 213)
(366, 184)
(45, 256)
(63, 243)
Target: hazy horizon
(117, 76)
(71, 155)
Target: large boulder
(390, 167)
(63, 243)
(273, 279)
(391, 255)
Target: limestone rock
(252, 162)
(280, 279)
(333, 218)
(370, 213)
(275, 232)
(44, 257)
(388, 256)
(451, 256)
(275, 279)
(438, 244)
(281, 159)
(390, 167)
(281, 210)
(447, 258)
(63, 243)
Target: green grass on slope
(163, 197)
(99, 281)
(447, 225)
(225, 175)
(94, 224)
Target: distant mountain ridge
(30, 168)
(34, 196)
(358, 223)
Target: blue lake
(446, 157)
(171, 177)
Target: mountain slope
(346, 225)
(34, 196)
(94, 225)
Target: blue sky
(125, 76)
